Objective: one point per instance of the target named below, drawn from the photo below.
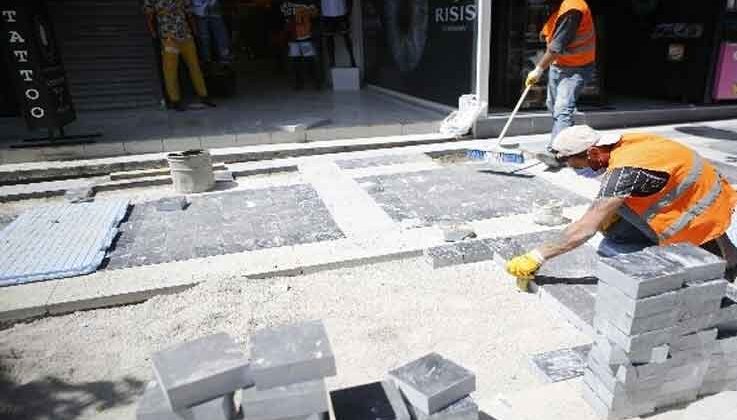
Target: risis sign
(34, 64)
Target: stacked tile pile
(665, 331)
(289, 365)
(196, 380)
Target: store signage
(424, 48)
(35, 66)
(678, 31)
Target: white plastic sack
(460, 122)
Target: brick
(443, 256)
(715, 387)
(604, 412)
(153, 406)
(701, 339)
(640, 274)
(700, 264)
(629, 325)
(623, 396)
(676, 398)
(297, 400)
(464, 409)
(200, 370)
(638, 345)
(433, 382)
(368, 402)
(291, 354)
(612, 297)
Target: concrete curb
(24, 173)
(9, 317)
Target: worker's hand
(534, 76)
(524, 267)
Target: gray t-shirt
(565, 31)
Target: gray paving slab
(376, 400)
(290, 354)
(285, 402)
(641, 274)
(561, 365)
(369, 162)
(576, 303)
(700, 263)
(153, 406)
(433, 382)
(460, 194)
(464, 409)
(222, 223)
(200, 370)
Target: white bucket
(191, 171)
(549, 213)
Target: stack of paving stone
(435, 388)
(664, 337)
(196, 380)
(289, 365)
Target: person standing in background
(210, 22)
(172, 22)
(571, 56)
(298, 18)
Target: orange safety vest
(696, 203)
(582, 50)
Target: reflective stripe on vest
(696, 170)
(704, 203)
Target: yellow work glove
(534, 76)
(524, 268)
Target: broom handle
(514, 113)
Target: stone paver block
(702, 339)
(153, 406)
(629, 325)
(641, 274)
(455, 232)
(560, 365)
(200, 370)
(638, 344)
(465, 409)
(433, 382)
(283, 402)
(377, 400)
(623, 396)
(443, 256)
(700, 264)
(605, 412)
(726, 342)
(720, 373)
(290, 354)
(715, 387)
(574, 302)
(613, 298)
(474, 251)
(676, 398)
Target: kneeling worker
(654, 191)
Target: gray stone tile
(459, 194)
(153, 406)
(701, 264)
(641, 274)
(561, 365)
(222, 223)
(289, 354)
(377, 400)
(379, 161)
(285, 402)
(433, 382)
(465, 409)
(200, 370)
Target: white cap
(579, 138)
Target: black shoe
(179, 106)
(202, 104)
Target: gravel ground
(94, 364)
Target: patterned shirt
(171, 16)
(632, 182)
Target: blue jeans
(214, 25)
(564, 87)
(623, 238)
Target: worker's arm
(577, 233)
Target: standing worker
(654, 191)
(172, 22)
(571, 55)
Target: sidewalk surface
(340, 238)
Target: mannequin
(335, 16)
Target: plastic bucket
(191, 171)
